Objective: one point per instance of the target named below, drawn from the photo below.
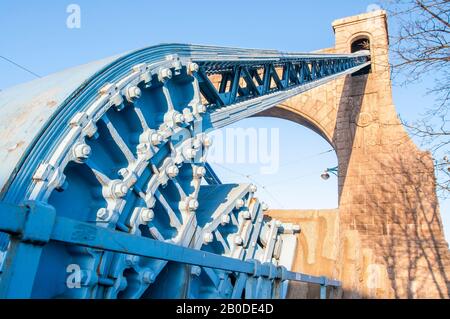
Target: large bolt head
(102, 214)
(133, 93)
(239, 203)
(196, 270)
(178, 118)
(82, 151)
(148, 277)
(193, 67)
(131, 260)
(172, 171)
(238, 240)
(201, 108)
(200, 172)
(207, 141)
(208, 238)
(165, 74)
(119, 190)
(190, 152)
(193, 204)
(147, 215)
(253, 188)
(156, 139)
(265, 207)
(246, 214)
(225, 220)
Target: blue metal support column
(30, 226)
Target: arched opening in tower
(360, 44)
(285, 159)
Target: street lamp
(326, 174)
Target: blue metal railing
(33, 225)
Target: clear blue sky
(34, 34)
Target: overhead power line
(20, 66)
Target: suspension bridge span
(106, 191)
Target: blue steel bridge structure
(106, 191)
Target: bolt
(193, 67)
(207, 141)
(196, 144)
(102, 214)
(238, 240)
(165, 74)
(190, 152)
(265, 207)
(201, 108)
(253, 188)
(193, 204)
(239, 203)
(225, 220)
(147, 215)
(208, 238)
(133, 93)
(156, 138)
(82, 151)
(119, 189)
(196, 270)
(132, 260)
(178, 118)
(296, 228)
(148, 277)
(200, 172)
(123, 172)
(246, 214)
(172, 171)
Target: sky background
(34, 34)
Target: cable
(20, 66)
(254, 182)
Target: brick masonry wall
(390, 235)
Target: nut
(225, 220)
(82, 151)
(239, 203)
(133, 93)
(147, 215)
(172, 171)
(208, 238)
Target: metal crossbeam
(34, 225)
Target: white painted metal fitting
(172, 171)
(200, 172)
(165, 74)
(225, 220)
(208, 238)
(207, 141)
(148, 276)
(238, 240)
(253, 188)
(196, 270)
(201, 108)
(119, 189)
(193, 67)
(192, 204)
(246, 215)
(103, 214)
(147, 215)
(82, 151)
(132, 260)
(189, 152)
(239, 203)
(265, 207)
(178, 118)
(133, 93)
